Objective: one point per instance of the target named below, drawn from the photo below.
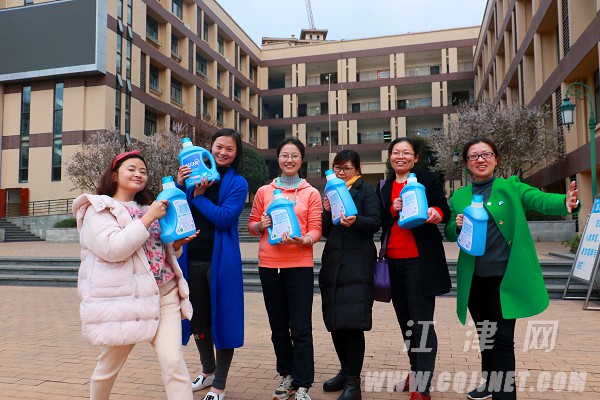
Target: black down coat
(346, 276)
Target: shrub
(66, 223)
(573, 243)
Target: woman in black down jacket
(346, 277)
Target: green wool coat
(522, 291)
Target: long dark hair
(108, 185)
(348, 155)
(238, 162)
(465, 150)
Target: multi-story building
(81, 66)
(528, 53)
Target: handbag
(382, 290)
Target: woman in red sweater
(417, 263)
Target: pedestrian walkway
(42, 354)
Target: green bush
(573, 243)
(66, 223)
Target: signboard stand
(585, 266)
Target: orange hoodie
(308, 208)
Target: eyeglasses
(486, 155)
(294, 157)
(346, 170)
(403, 153)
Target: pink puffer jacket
(120, 301)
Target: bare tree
(524, 141)
(92, 157)
(85, 167)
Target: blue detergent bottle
(414, 204)
(196, 158)
(178, 222)
(283, 218)
(339, 198)
(474, 230)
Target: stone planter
(551, 231)
(62, 235)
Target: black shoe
(351, 389)
(480, 393)
(336, 383)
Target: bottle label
(337, 206)
(410, 206)
(196, 164)
(280, 223)
(185, 221)
(465, 239)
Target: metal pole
(581, 91)
(329, 113)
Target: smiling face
(224, 150)
(290, 159)
(481, 168)
(131, 177)
(403, 158)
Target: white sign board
(587, 253)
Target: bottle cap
(329, 174)
(186, 142)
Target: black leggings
(350, 348)
(498, 357)
(199, 282)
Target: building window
(128, 59)
(118, 108)
(597, 94)
(201, 65)
(153, 82)
(24, 145)
(176, 91)
(143, 72)
(205, 106)
(129, 13)
(150, 123)
(220, 115)
(119, 54)
(221, 45)
(219, 86)
(120, 10)
(57, 129)
(205, 31)
(177, 8)
(128, 119)
(151, 29)
(237, 92)
(174, 45)
(252, 73)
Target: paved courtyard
(42, 355)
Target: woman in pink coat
(131, 287)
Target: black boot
(351, 389)
(336, 383)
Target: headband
(123, 155)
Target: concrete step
(13, 233)
(63, 272)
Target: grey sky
(357, 19)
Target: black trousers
(498, 349)
(414, 311)
(350, 348)
(288, 296)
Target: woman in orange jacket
(286, 272)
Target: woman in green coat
(506, 282)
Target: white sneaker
(302, 394)
(284, 390)
(202, 382)
(214, 396)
